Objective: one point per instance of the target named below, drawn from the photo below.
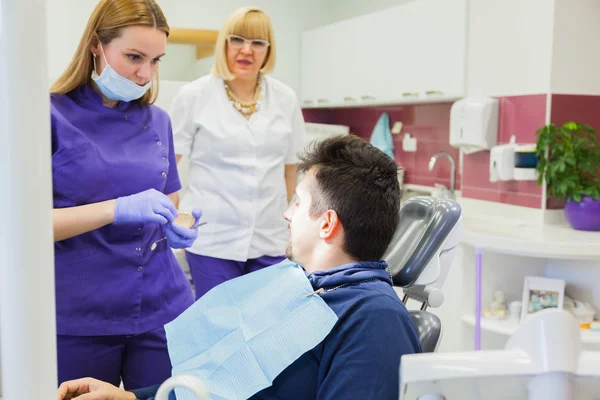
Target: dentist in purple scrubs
(114, 178)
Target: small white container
(514, 310)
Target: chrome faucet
(452, 168)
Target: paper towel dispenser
(474, 124)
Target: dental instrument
(153, 246)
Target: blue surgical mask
(116, 87)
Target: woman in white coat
(241, 129)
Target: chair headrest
(425, 223)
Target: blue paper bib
(243, 333)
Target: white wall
(344, 9)
(67, 19)
(180, 63)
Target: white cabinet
(352, 54)
(444, 36)
(309, 69)
(410, 53)
(317, 71)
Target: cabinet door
(318, 67)
(425, 41)
(443, 38)
(355, 79)
(309, 69)
(400, 32)
(343, 56)
(333, 53)
(402, 54)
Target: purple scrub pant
(140, 360)
(208, 272)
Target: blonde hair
(105, 24)
(251, 23)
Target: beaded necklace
(250, 107)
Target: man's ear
(330, 225)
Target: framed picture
(541, 293)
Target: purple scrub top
(108, 281)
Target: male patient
(341, 223)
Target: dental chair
(420, 256)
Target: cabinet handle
(433, 92)
(321, 101)
(308, 102)
(349, 98)
(410, 94)
(367, 97)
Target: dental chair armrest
(426, 295)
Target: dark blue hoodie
(360, 358)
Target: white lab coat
(236, 166)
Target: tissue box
(502, 162)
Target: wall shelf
(203, 39)
(374, 103)
(508, 327)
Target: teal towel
(381, 137)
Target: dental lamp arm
(149, 393)
(544, 359)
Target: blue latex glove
(147, 206)
(180, 237)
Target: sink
(408, 193)
(411, 190)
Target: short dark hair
(360, 183)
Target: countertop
(524, 231)
(518, 230)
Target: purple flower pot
(585, 215)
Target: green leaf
(570, 125)
(568, 160)
(540, 179)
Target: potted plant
(569, 160)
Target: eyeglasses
(237, 42)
